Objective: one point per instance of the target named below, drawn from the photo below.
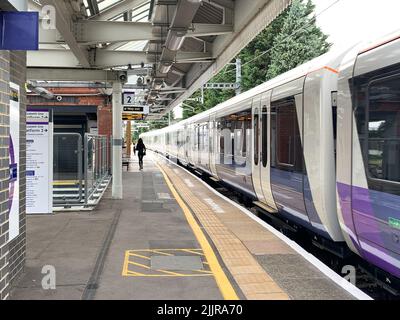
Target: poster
(13, 201)
(39, 162)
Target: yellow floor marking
(126, 260)
(222, 280)
(164, 253)
(194, 252)
(165, 273)
(132, 273)
(139, 256)
(172, 273)
(139, 265)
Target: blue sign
(19, 30)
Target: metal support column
(117, 141)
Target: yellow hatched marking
(194, 252)
(139, 256)
(171, 273)
(164, 253)
(164, 273)
(139, 265)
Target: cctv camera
(122, 77)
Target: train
(318, 146)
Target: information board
(13, 200)
(136, 109)
(39, 162)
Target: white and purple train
(319, 146)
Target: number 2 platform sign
(128, 98)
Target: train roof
(328, 60)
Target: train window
(256, 136)
(264, 142)
(285, 140)
(383, 127)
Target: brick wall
(4, 172)
(12, 254)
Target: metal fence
(81, 169)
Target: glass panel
(256, 137)
(264, 142)
(286, 146)
(384, 129)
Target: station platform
(171, 238)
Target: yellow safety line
(222, 280)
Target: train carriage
(318, 145)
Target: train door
(375, 176)
(265, 138)
(256, 123)
(213, 136)
(287, 169)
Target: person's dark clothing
(141, 150)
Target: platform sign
(136, 109)
(39, 162)
(128, 98)
(19, 30)
(132, 117)
(13, 200)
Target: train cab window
(286, 145)
(256, 137)
(264, 142)
(383, 127)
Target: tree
(299, 40)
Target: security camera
(59, 98)
(122, 76)
(148, 80)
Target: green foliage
(298, 41)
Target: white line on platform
(216, 208)
(346, 285)
(188, 183)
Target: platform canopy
(174, 46)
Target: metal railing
(96, 164)
(81, 169)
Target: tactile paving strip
(252, 279)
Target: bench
(125, 163)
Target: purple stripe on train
(366, 214)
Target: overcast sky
(348, 21)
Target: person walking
(141, 150)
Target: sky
(350, 21)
